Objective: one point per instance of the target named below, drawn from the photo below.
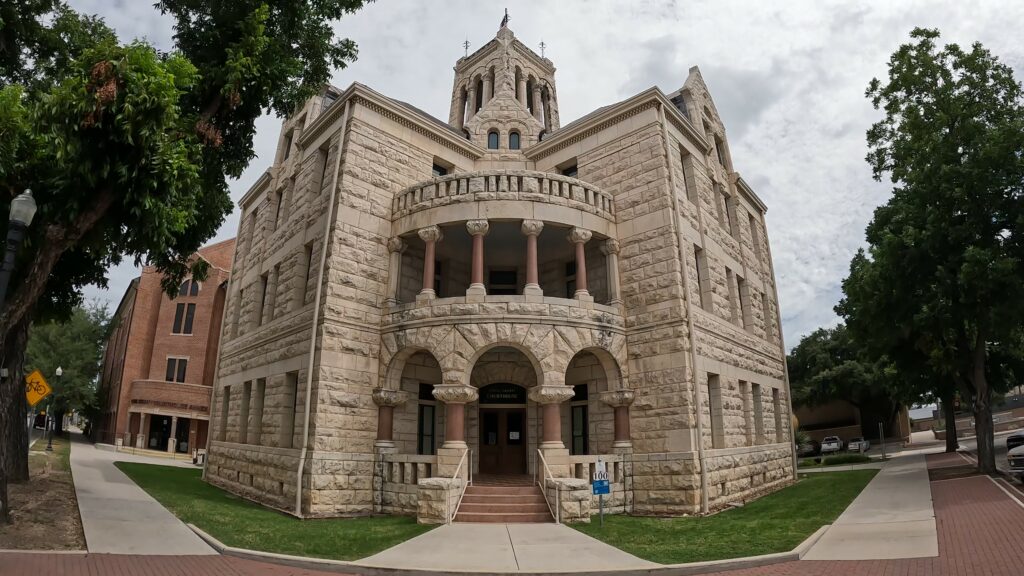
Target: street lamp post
(49, 414)
(23, 209)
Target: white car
(1016, 459)
(831, 444)
(858, 445)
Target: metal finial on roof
(504, 21)
(542, 47)
(465, 46)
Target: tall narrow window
(287, 144)
(492, 140)
(190, 316)
(258, 395)
(513, 141)
(755, 391)
(250, 235)
(769, 318)
(322, 159)
(730, 285)
(720, 151)
(755, 236)
(715, 411)
(225, 404)
(183, 289)
(748, 414)
(703, 286)
(289, 406)
(194, 289)
(743, 292)
(686, 161)
(278, 201)
(780, 433)
(425, 424)
(179, 314)
(243, 414)
(302, 282)
(580, 420)
(261, 308)
(719, 208)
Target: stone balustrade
(618, 466)
(398, 476)
(553, 310)
(526, 185)
(174, 396)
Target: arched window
(492, 140)
(543, 134)
(513, 141)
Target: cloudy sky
(788, 79)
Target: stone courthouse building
(502, 302)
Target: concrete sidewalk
(503, 548)
(892, 518)
(118, 517)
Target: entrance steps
(503, 504)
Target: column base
(625, 445)
(476, 293)
(385, 447)
(557, 458)
(391, 302)
(426, 295)
(533, 290)
(583, 296)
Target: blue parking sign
(600, 487)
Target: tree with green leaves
(128, 150)
(76, 347)
(943, 276)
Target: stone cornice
(746, 190)
(587, 126)
(258, 187)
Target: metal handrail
(462, 493)
(556, 512)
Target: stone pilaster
(396, 246)
(610, 248)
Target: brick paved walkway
(978, 527)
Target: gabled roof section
(219, 254)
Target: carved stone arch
(609, 347)
(393, 368)
(612, 373)
(539, 374)
(399, 346)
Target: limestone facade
(415, 302)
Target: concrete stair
(503, 504)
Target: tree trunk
(13, 431)
(983, 426)
(949, 411)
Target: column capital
(550, 394)
(430, 234)
(579, 235)
(616, 398)
(532, 227)
(387, 397)
(396, 244)
(478, 227)
(455, 394)
(610, 246)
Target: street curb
(342, 566)
(69, 552)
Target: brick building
(161, 357)
(416, 302)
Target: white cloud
(788, 79)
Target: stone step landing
(503, 504)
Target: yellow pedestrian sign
(36, 388)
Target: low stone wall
(573, 498)
(396, 483)
(436, 499)
(619, 499)
(738, 475)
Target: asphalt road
(972, 445)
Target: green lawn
(242, 524)
(775, 523)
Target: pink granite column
(477, 229)
(430, 235)
(579, 237)
(532, 229)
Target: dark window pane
(570, 288)
(582, 392)
(170, 370)
(513, 141)
(570, 268)
(439, 170)
(579, 430)
(490, 429)
(189, 316)
(570, 171)
(182, 366)
(492, 140)
(179, 311)
(183, 290)
(426, 392)
(503, 277)
(195, 289)
(514, 422)
(425, 440)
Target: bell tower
(505, 92)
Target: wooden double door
(503, 441)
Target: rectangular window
(236, 320)
(502, 282)
(571, 170)
(322, 159)
(183, 289)
(743, 293)
(258, 395)
(720, 151)
(306, 265)
(190, 316)
(715, 411)
(225, 403)
(278, 201)
(730, 285)
(289, 405)
(580, 438)
(780, 432)
(287, 144)
(437, 170)
(251, 232)
(702, 287)
(748, 427)
(179, 312)
(261, 308)
(769, 319)
(719, 207)
(755, 236)
(731, 216)
(570, 279)
(243, 414)
(758, 414)
(686, 160)
(176, 369)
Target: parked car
(858, 445)
(810, 448)
(1016, 459)
(831, 444)
(1014, 440)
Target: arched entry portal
(503, 429)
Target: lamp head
(23, 208)
(60, 371)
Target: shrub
(846, 459)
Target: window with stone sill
(176, 369)
(184, 315)
(492, 140)
(513, 141)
